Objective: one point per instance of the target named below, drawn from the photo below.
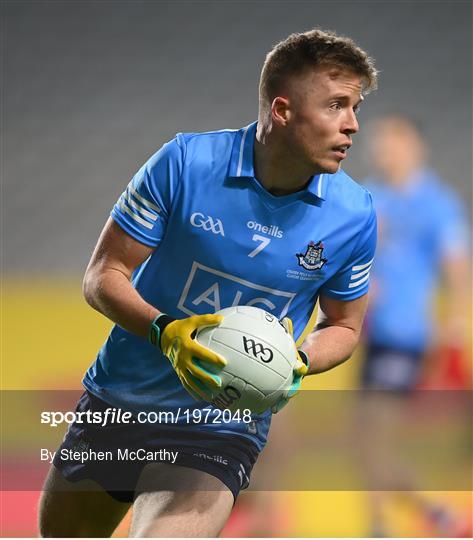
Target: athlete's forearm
(454, 327)
(111, 293)
(329, 346)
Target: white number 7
(263, 243)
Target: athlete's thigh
(175, 501)
(77, 509)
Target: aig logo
(210, 289)
(208, 223)
(265, 354)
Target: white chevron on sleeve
(140, 209)
(133, 215)
(359, 282)
(362, 266)
(144, 201)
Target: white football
(260, 358)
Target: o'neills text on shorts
(120, 454)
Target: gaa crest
(312, 259)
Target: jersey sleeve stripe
(134, 216)
(359, 282)
(362, 266)
(138, 208)
(356, 276)
(144, 201)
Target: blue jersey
(419, 226)
(222, 240)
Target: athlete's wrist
(304, 363)
(157, 328)
(304, 357)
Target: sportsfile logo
(265, 354)
(208, 290)
(208, 223)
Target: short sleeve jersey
(421, 225)
(221, 239)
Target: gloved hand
(193, 363)
(300, 370)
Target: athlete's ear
(280, 111)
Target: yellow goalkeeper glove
(300, 370)
(194, 364)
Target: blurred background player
(422, 247)
(423, 242)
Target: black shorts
(387, 368)
(119, 452)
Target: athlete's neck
(275, 166)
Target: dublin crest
(312, 259)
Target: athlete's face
(321, 116)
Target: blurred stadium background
(91, 89)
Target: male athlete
(423, 241)
(260, 216)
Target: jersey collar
(241, 165)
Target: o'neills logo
(216, 458)
(270, 230)
(229, 395)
